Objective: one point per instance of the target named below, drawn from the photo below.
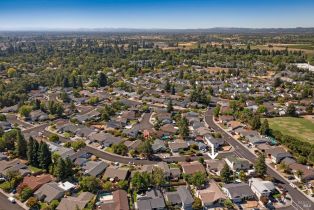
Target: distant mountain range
(161, 30)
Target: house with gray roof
(152, 200)
(94, 168)
(261, 187)
(238, 192)
(73, 203)
(49, 191)
(237, 163)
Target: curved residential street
(300, 201)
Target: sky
(168, 14)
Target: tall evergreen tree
(21, 145)
(226, 174)
(60, 169)
(44, 156)
(169, 106)
(167, 86)
(80, 82)
(66, 82)
(69, 166)
(264, 129)
(30, 150)
(73, 82)
(102, 80)
(184, 127)
(35, 154)
(173, 90)
(260, 165)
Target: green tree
(216, 111)
(197, 204)
(60, 170)
(291, 110)
(169, 106)
(145, 148)
(167, 86)
(255, 122)
(198, 179)
(226, 174)
(264, 129)
(102, 80)
(21, 146)
(120, 149)
(26, 193)
(158, 177)
(54, 138)
(184, 128)
(89, 184)
(44, 156)
(2, 117)
(309, 109)
(25, 110)
(242, 176)
(140, 181)
(260, 165)
(228, 204)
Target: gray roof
(239, 190)
(94, 168)
(152, 200)
(185, 195)
(48, 192)
(173, 197)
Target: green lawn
(300, 128)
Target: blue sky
(21, 14)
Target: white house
(261, 187)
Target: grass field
(300, 128)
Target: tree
(21, 145)
(167, 86)
(260, 165)
(54, 138)
(145, 148)
(25, 194)
(228, 204)
(158, 176)
(35, 160)
(169, 106)
(89, 184)
(242, 176)
(264, 129)
(140, 181)
(25, 110)
(68, 167)
(102, 80)
(8, 139)
(30, 150)
(80, 82)
(299, 173)
(107, 186)
(198, 179)
(216, 111)
(277, 82)
(309, 109)
(291, 110)
(184, 127)
(173, 90)
(123, 184)
(32, 203)
(197, 204)
(255, 122)
(66, 82)
(44, 156)
(226, 174)
(2, 117)
(60, 169)
(120, 149)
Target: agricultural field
(300, 128)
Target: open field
(306, 48)
(300, 128)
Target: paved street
(300, 201)
(5, 204)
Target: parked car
(11, 199)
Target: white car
(11, 199)
(293, 185)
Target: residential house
(164, 166)
(13, 165)
(192, 167)
(94, 168)
(132, 144)
(35, 182)
(238, 164)
(213, 142)
(238, 192)
(74, 203)
(302, 172)
(261, 187)
(115, 173)
(215, 166)
(105, 139)
(276, 154)
(182, 198)
(158, 146)
(152, 200)
(118, 200)
(38, 115)
(212, 196)
(49, 191)
(178, 145)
